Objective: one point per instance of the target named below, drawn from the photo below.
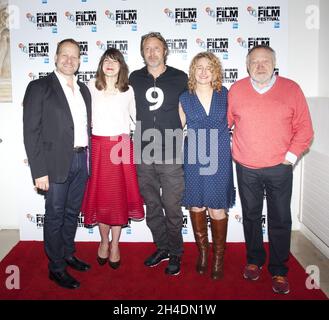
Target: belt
(79, 149)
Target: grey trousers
(162, 186)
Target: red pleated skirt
(112, 193)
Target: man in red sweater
(272, 128)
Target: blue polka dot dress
(208, 168)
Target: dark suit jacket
(49, 128)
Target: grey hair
(261, 46)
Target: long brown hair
(122, 82)
(216, 65)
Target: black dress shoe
(114, 265)
(64, 279)
(101, 261)
(77, 264)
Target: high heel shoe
(114, 265)
(101, 261)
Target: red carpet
(133, 281)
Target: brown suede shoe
(252, 272)
(280, 285)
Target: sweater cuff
(292, 158)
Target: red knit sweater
(267, 126)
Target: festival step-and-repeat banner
(228, 28)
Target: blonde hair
(217, 71)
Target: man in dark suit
(57, 126)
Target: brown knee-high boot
(200, 229)
(218, 231)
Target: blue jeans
(63, 202)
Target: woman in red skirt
(112, 195)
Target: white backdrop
(227, 28)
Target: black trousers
(276, 183)
(63, 202)
(162, 186)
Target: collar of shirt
(265, 89)
(63, 81)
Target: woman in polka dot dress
(207, 158)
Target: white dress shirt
(78, 110)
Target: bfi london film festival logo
(83, 19)
(86, 76)
(177, 47)
(183, 16)
(36, 50)
(123, 18)
(84, 50)
(43, 20)
(264, 41)
(39, 219)
(252, 42)
(230, 75)
(215, 45)
(121, 45)
(266, 14)
(224, 15)
(34, 76)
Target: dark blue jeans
(277, 183)
(63, 202)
